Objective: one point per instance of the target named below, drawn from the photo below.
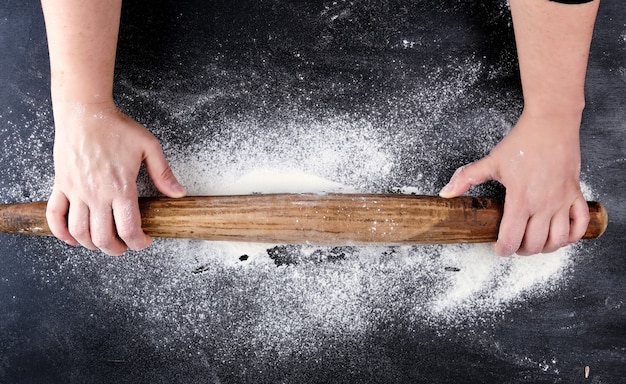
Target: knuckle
(122, 185)
(53, 211)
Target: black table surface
(376, 96)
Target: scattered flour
(352, 153)
(274, 303)
(451, 283)
(267, 181)
(485, 282)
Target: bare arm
(553, 41)
(539, 160)
(82, 40)
(98, 150)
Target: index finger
(56, 215)
(512, 227)
(128, 223)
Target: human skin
(98, 150)
(538, 162)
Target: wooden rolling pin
(321, 219)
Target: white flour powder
(268, 302)
(276, 301)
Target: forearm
(553, 41)
(82, 40)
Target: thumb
(467, 176)
(162, 175)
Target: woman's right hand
(98, 152)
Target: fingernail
(179, 190)
(506, 252)
(446, 191)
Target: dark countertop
(382, 97)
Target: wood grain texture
(321, 219)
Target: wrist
(66, 86)
(555, 107)
(550, 127)
(70, 111)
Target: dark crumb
(284, 254)
(338, 253)
(398, 191)
(292, 255)
(243, 257)
(452, 269)
(333, 255)
(200, 269)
